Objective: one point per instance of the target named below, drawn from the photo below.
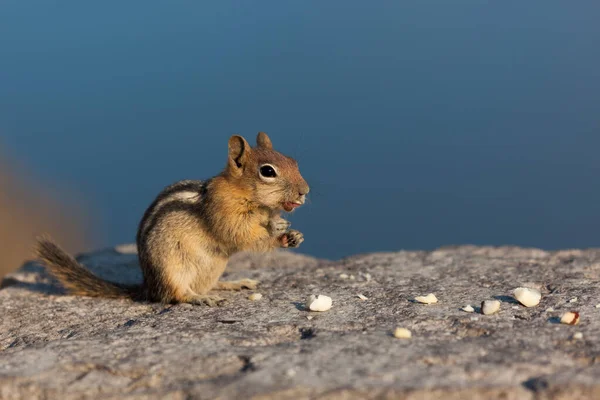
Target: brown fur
(192, 228)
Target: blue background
(417, 124)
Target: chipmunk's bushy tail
(77, 279)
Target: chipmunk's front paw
(278, 226)
(208, 300)
(292, 239)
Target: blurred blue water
(418, 124)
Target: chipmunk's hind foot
(237, 285)
(207, 300)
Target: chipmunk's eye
(268, 171)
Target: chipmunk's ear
(262, 140)
(239, 151)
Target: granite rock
(58, 346)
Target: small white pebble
(290, 372)
(578, 336)
(319, 303)
(549, 309)
(489, 307)
(468, 308)
(402, 333)
(343, 276)
(515, 307)
(597, 305)
(367, 277)
(528, 297)
(309, 317)
(570, 318)
(362, 297)
(429, 299)
(255, 296)
(573, 300)
(474, 318)
(352, 277)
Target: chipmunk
(188, 233)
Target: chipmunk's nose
(304, 190)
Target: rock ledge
(57, 346)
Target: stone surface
(57, 346)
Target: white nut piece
(597, 305)
(468, 308)
(573, 300)
(578, 336)
(489, 307)
(528, 297)
(255, 296)
(570, 318)
(429, 299)
(290, 372)
(362, 297)
(319, 303)
(402, 333)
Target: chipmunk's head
(273, 178)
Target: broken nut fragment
(528, 297)
(468, 308)
(362, 297)
(402, 333)
(570, 318)
(429, 299)
(255, 296)
(319, 303)
(489, 307)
